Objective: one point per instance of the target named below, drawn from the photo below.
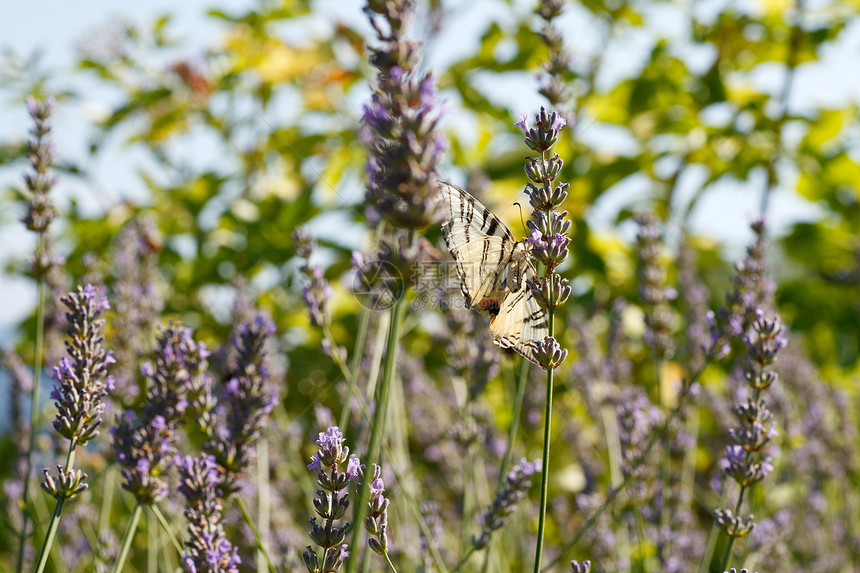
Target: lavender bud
(67, 485)
(376, 522)
(82, 379)
(548, 353)
(517, 483)
(577, 567)
(207, 547)
(550, 224)
(734, 526)
(545, 133)
(550, 292)
(543, 198)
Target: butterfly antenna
(522, 220)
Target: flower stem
(379, 418)
(34, 415)
(522, 378)
(128, 537)
(244, 509)
(166, 527)
(390, 564)
(55, 518)
(544, 480)
(355, 366)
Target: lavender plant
(82, 383)
(146, 441)
(246, 403)
(331, 501)
(745, 460)
(549, 246)
(40, 214)
(207, 548)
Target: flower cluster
(652, 289)
(208, 550)
(518, 482)
(40, 207)
(82, 378)
(376, 522)
(401, 122)
(745, 460)
(136, 299)
(548, 227)
(331, 501)
(178, 385)
(752, 290)
(553, 85)
(316, 292)
(247, 402)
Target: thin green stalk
(156, 511)
(728, 553)
(519, 398)
(128, 537)
(107, 500)
(355, 366)
(390, 564)
(263, 499)
(151, 545)
(379, 418)
(244, 509)
(34, 414)
(544, 480)
(55, 518)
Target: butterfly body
(493, 268)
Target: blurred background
(203, 134)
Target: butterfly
(493, 268)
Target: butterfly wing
(492, 267)
(482, 246)
(521, 320)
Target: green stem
(34, 415)
(166, 527)
(263, 500)
(547, 426)
(379, 418)
(519, 398)
(244, 509)
(128, 537)
(151, 545)
(58, 510)
(355, 366)
(390, 564)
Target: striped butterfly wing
(492, 267)
(521, 320)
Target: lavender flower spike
(82, 378)
(208, 550)
(515, 490)
(331, 501)
(247, 400)
(376, 522)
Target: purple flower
(207, 549)
(404, 142)
(376, 522)
(82, 381)
(246, 403)
(331, 500)
(496, 515)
